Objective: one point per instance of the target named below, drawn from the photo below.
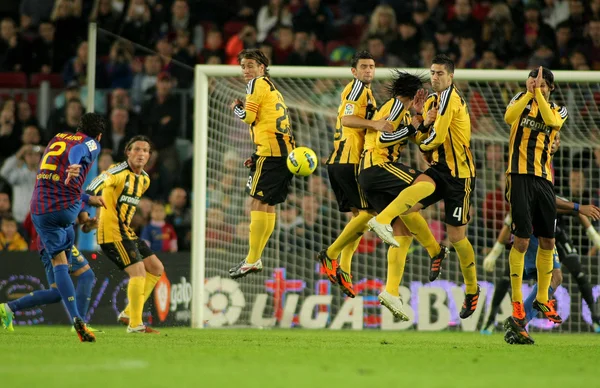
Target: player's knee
(521, 244)
(136, 269)
(546, 243)
(456, 233)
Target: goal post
(290, 292)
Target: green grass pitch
(53, 357)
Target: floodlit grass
(53, 357)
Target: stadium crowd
(138, 91)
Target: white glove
(593, 235)
(489, 263)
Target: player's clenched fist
(235, 103)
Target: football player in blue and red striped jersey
(57, 200)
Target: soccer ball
(302, 161)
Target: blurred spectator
(468, 54)
(488, 60)
(68, 122)
(563, 46)
(213, 46)
(165, 52)
(314, 228)
(407, 44)
(105, 160)
(498, 31)
(161, 121)
(289, 228)
(137, 26)
(444, 43)
(70, 28)
(57, 115)
(356, 11)
(534, 28)
(180, 216)
(182, 19)
(25, 115)
(20, 171)
(578, 61)
(36, 10)
(10, 134)
(284, 45)
(275, 13)
(48, 55)
(437, 11)
(118, 135)
(577, 19)
(315, 17)
(305, 53)
(10, 239)
(76, 68)
(382, 59)
(145, 82)
(161, 179)
(32, 135)
(185, 53)
(422, 19)
(267, 49)
(592, 46)
(383, 24)
(245, 39)
(5, 200)
(13, 50)
(118, 66)
(426, 54)
(542, 56)
(218, 232)
(158, 234)
(463, 23)
(107, 18)
(495, 206)
(555, 12)
(119, 98)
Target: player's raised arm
(517, 105)
(439, 131)
(544, 84)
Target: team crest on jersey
(349, 109)
(91, 145)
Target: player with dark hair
(535, 122)
(357, 105)
(564, 249)
(383, 177)
(78, 267)
(270, 128)
(57, 200)
(445, 142)
(122, 186)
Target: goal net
(290, 291)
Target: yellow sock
(396, 262)
(135, 294)
(419, 227)
(271, 218)
(351, 232)
(543, 262)
(405, 200)
(348, 253)
(516, 260)
(149, 284)
(466, 256)
(259, 224)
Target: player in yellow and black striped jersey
(535, 122)
(357, 105)
(383, 177)
(445, 140)
(271, 131)
(122, 187)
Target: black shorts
(532, 205)
(456, 193)
(382, 183)
(127, 252)
(269, 179)
(344, 183)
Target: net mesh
(285, 293)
